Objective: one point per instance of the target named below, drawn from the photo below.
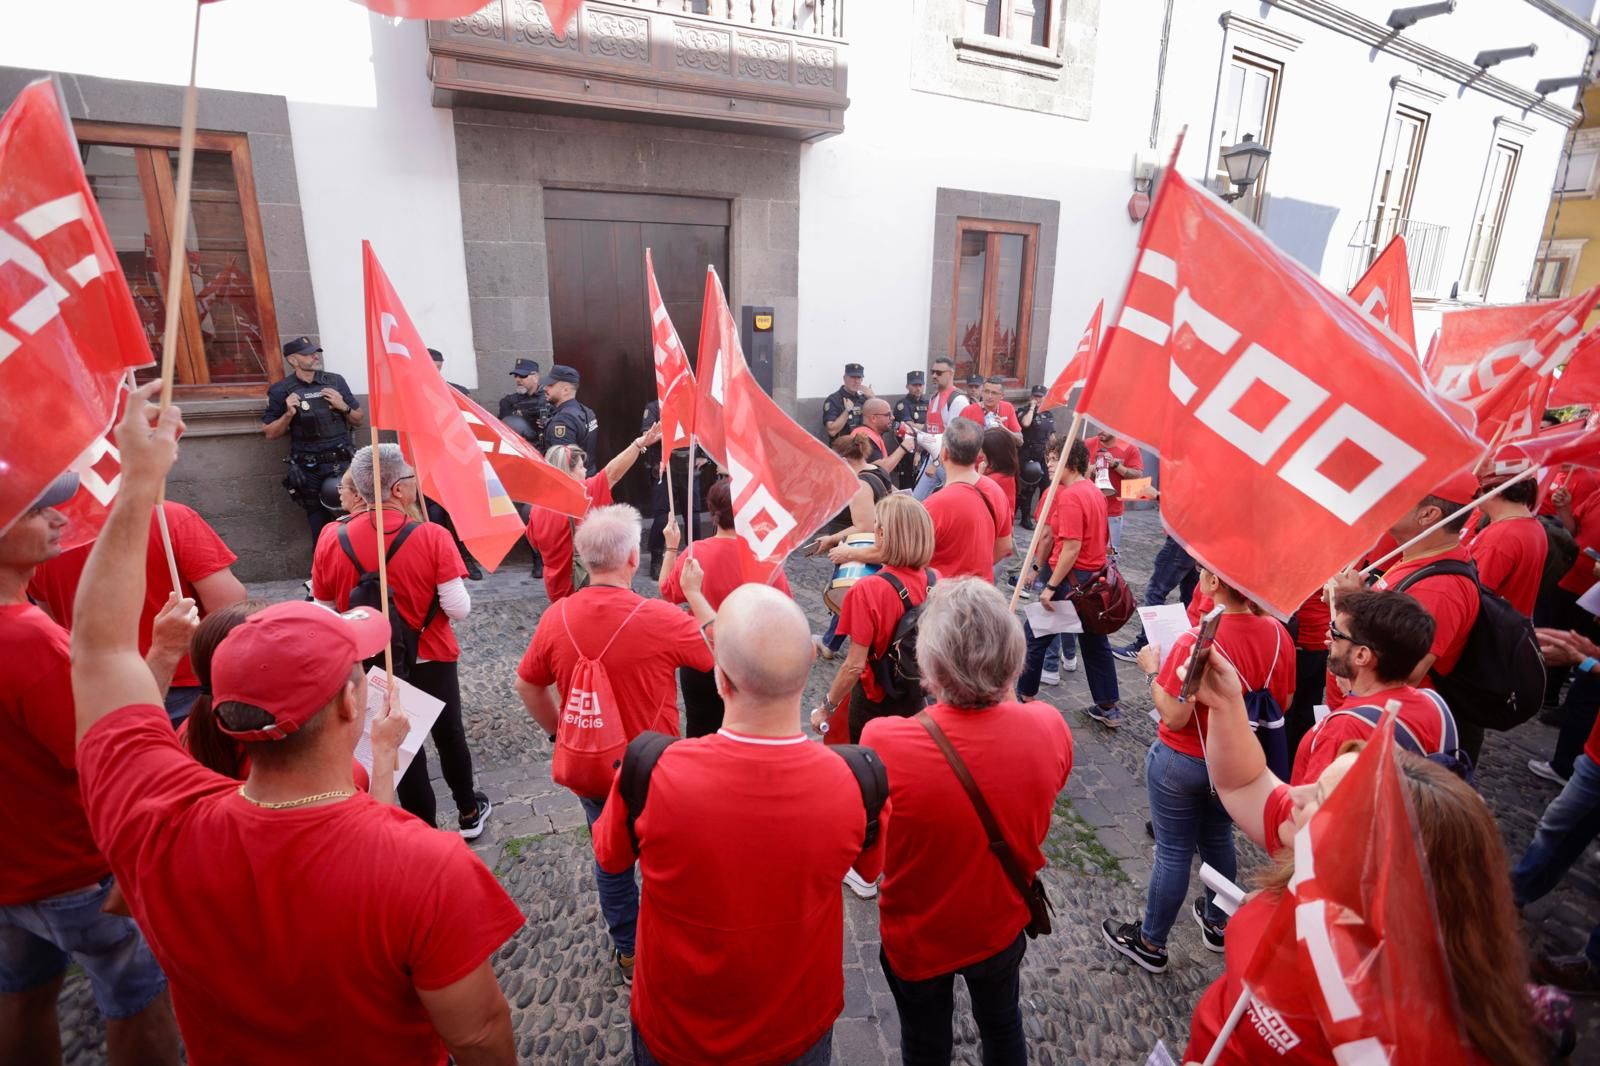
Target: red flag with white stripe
(1384, 292)
(674, 381)
(1077, 370)
(522, 470)
(721, 358)
(1579, 382)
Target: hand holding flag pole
(1451, 517)
(1024, 578)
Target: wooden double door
(600, 305)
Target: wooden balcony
(775, 67)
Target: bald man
(745, 838)
(877, 425)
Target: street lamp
(1244, 161)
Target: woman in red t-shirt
(1000, 463)
(726, 563)
(871, 610)
(1478, 922)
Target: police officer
(438, 364)
(316, 409)
(1037, 429)
(974, 387)
(659, 500)
(571, 422)
(913, 408)
(841, 411)
(526, 402)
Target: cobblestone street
(1082, 1003)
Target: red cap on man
(1460, 488)
(249, 666)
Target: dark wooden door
(600, 307)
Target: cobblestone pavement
(1082, 1003)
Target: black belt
(323, 457)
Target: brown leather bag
(1104, 601)
(1032, 891)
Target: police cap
(524, 367)
(913, 377)
(854, 370)
(436, 355)
(975, 379)
(1040, 390)
(300, 346)
(562, 372)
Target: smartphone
(1200, 657)
(1591, 553)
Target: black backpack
(403, 638)
(897, 672)
(645, 750)
(1498, 682)
(1562, 553)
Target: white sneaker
(862, 888)
(823, 651)
(1070, 665)
(1049, 677)
(1540, 768)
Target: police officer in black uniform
(912, 408)
(526, 403)
(571, 422)
(841, 410)
(316, 409)
(1037, 429)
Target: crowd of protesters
(220, 865)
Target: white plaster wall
(374, 159)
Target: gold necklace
(303, 801)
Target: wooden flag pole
(383, 553)
(1447, 519)
(1024, 578)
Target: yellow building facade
(1569, 248)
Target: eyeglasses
(1334, 633)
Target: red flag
(68, 326)
(1579, 382)
(1492, 358)
(409, 395)
(786, 484)
(674, 381)
(721, 358)
(99, 471)
(1266, 395)
(1353, 945)
(521, 469)
(1576, 443)
(1076, 372)
(1384, 292)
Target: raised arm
(624, 461)
(1234, 758)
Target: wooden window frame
(1269, 122)
(157, 187)
(1029, 231)
(1380, 238)
(1008, 9)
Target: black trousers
(442, 681)
(702, 706)
(864, 710)
(927, 1008)
(439, 516)
(658, 503)
(1310, 681)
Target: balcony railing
(1425, 249)
(774, 67)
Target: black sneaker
(1124, 938)
(472, 821)
(1210, 932)
(625, 964)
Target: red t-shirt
(946, 901)
(1453, 602)
(870, 611)
(1005, 412)
(966, 526)
(1080, 514)
(550, 533)
(1418, 713)
(723, 561)
(1278, 811)
(1008, 485)
(1578, 481)
(1258, 647)
(641, 662)
(1580, 576)
(1118, 452)
(1510, 556)
(429, 558)
(1311, 629)
(744, 842)
(195, 545)
(1199, 606)
(45, 837)
(319, 924)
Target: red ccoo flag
(1264, 393)
(1384, 292)
(521, 469)
(1352, 949)
(69, 329)
(1078, 368)
(721, 358)
(1579, 382)
(409, 395)
(674, 382)
(559, 11)
(1574, 443)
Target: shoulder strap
(1406, 738)
(394, 544)
(997, 841)
(566, 626)
(987, 506)
(872, 779)
(638, 763)
(1448, 740)
(1442, 568)
(899, 588)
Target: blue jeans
(1565, 831)
(931, 481)
(1052, 652)
(38, 940)
(1114, 528)
(831, 636)
(619, 893)
(1098, 664)
(1173, 569)
(818, 1054)
(1186, 817)
(1577, 718)
(927, 1007)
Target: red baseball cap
(290, 660)
(1460, 488)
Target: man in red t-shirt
(1375, 641)
(205, 575)
(639, 644)
(743, 841)
(971, 518)
(1510, 551)
(54, 879)
(993, 409)
(291, 913)
(426, 588)
(1119, 460)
